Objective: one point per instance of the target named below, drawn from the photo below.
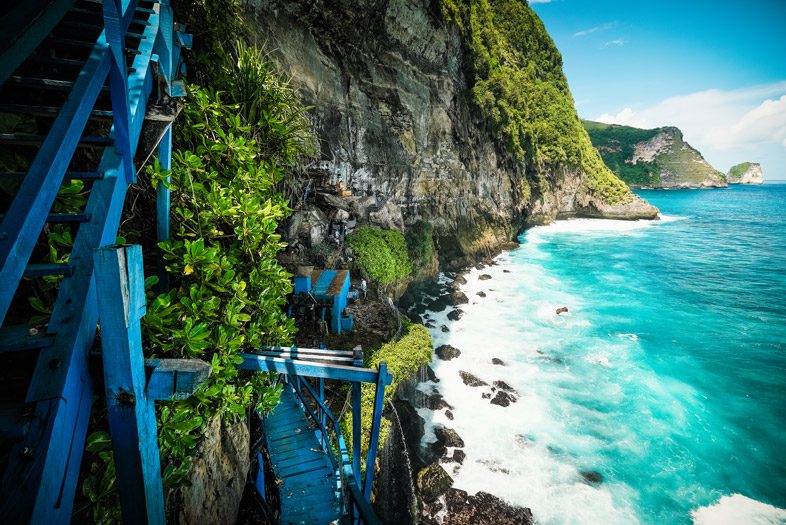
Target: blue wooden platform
(307, 483)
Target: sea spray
(658, 391)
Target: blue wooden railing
(40, 478)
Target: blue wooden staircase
(81, 73)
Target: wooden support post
(118, 83)
(322, 416)
(162, 207)
(373, 442)
(357, 420)
(132, 421)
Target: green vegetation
(677, 163)
(236, 142)
(382, 255)
(519, 86)
(404, 358)
(617, 144)
(736, 172)
(420, 244)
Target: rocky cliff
(746, 173)
(653, 158)
(391, 83)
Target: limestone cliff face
(393, 109)
(746, 173)
(653, 158)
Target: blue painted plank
(173, 379)
(309, 369)
(131, 414)
(371, 456)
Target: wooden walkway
(306, 480)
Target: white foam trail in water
(737, 510)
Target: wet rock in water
(447, 352)
(439, 304)
(481, 294)
(437, 402)
(431, 375)
(506, 271)
(444, 328)
(502, 385)
(562, 310)
(482, 509)
(503, 399)
(497, 361)
(486, 395)
(484, 277)
(592, 477)
(459, 456)
(448, 437)
(449, 414)
(471, 380)
(430, 323)
(457, 297)
(459, 280)
(456, 314)
(433, 482)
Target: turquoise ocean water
(667, 376)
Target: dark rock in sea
(444, 328)
(486, 395)
(503, 399)
(447, 352)
(592, 477)
(430, 323)
(471, 380)
(497, 361)
(433, 482)
(456, 314)
(481, 294)
(448, 437)
(449, 414)
(457, 297)
(439, 304)
(506, 271)
(482, 509)
(459, 280)
(459, 456)
(480, 265)
(484, 277)
(562, 310)
(431, 375)
(502, 385)
(436, 402)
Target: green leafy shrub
(420, 244)
(382, 255)
(520, 87)
(404, 358)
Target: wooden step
(18, 338)
(17, 139)
(33, 271)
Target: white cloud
(595, 29)
(617, 42)
(539, 1)
(721, 124)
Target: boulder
(481, 294)
(484, 277)
(497, 361)
(592, 477)
(503, 399)
(388, 217)
(217, 475)
(447, 352)
(471, 380)
(482, 509)
(456, 314)
(433, 482)
(308, 224)
(448, 437)
(502, 385)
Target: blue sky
(716, 70)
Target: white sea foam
(738, 509)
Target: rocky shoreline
(438, 501)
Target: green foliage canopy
(382, 255)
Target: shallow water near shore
(667, 377)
